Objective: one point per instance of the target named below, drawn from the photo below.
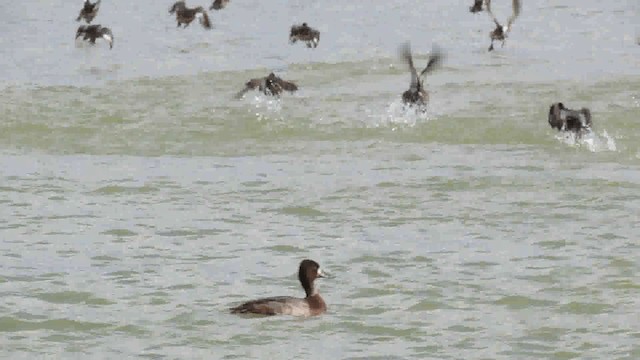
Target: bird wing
(250, 85)
(517, 6)
(493, 17)
(286, 85)
(204, 19)
(434, 60)
(405, 54)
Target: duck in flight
(417, 94)
(269, 85)
(311, 305)
(500, 32)
(92, 32)
(476, 7)
(89, 11)
(185, 15)
(219, 4)
(304, 33)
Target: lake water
(139, 200)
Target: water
(139, 201)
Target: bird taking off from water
(500, 32)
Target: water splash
(267, 107)
(398, 115)
(590, 140)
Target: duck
(476, 7)
(92, 32)
(185, 15)
(269, 85)
(219, 4)
(311, 305)
(304, 33)
(89, 11)
(417, 94)
(500, 32)
(564, 119)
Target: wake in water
(590, 140)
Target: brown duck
(304, 33)
(269, 85)
(219, 4)
(476, 7)
(500, 32)
(185, 15)
(89, 11)
(564, 119)
(92, 32)
(417, 94)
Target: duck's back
(279, 305)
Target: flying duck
(269, 85)
(185, 15)
(563, 119)
(417, 94)
(500, 32)
(89, 11)
(304, 33)
(92, 32)
(219, 4)
(476, 7)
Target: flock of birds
(560, 117)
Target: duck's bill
(323, 274)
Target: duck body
(311, 305)
(269, 85)
(89, 11)
(185, 15)
(93, 32)
(304, 33)
(500, 32)
(417, 95)
(565, 119)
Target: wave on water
(591, 140)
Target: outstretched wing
(107, 35)
(493, 17)
(405, 53)
(204, 19)
(517, 6)
(434, 60)
(286, 85)
(250, 85)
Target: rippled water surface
(139, 200)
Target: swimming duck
(311, 305)
(500, 32)
(477, 6)
(304, 33)
(269, 85)
(92, 32)
(89, 11)
(185, 15)
(565, 119)
(219, 4)
(417, 95)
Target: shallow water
(139, 200)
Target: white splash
(397, 115)
(590, 140)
